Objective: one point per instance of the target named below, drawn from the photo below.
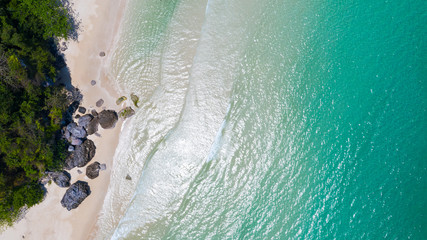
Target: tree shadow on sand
(73, 20)
(64, 76)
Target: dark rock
(77, 116)
(76, 131)
(92, 127)
(82, 110)
(107, 119)
(92, 171)
(75, 141)
(103, 167)
(99, 102)
(128, 177)
(61, 179)
(94, 113)
(81, 155)
(75, 195)
(93, 82)
(84, 120)
(102, 54)
(126, 112)
(79, 172)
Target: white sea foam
(153, 61)
(177, 61)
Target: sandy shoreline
(100, 22)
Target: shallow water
(271, 120)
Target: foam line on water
(217, 143)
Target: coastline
(100, 22)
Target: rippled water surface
(271, 120)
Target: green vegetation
(31, 108)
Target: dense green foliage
(31, 107)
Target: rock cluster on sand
(75, 195)
(88, 124)
(76, 131)
(81, 150)
(92, 171)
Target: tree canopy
(31, 105)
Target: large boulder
(81, 155)
(84, 120)
(61, 179)
(75, 195)
(76, 131)
(92, 171)
(92, 127)
(107, 118)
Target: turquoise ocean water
(271, 120)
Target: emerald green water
(293, 120)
